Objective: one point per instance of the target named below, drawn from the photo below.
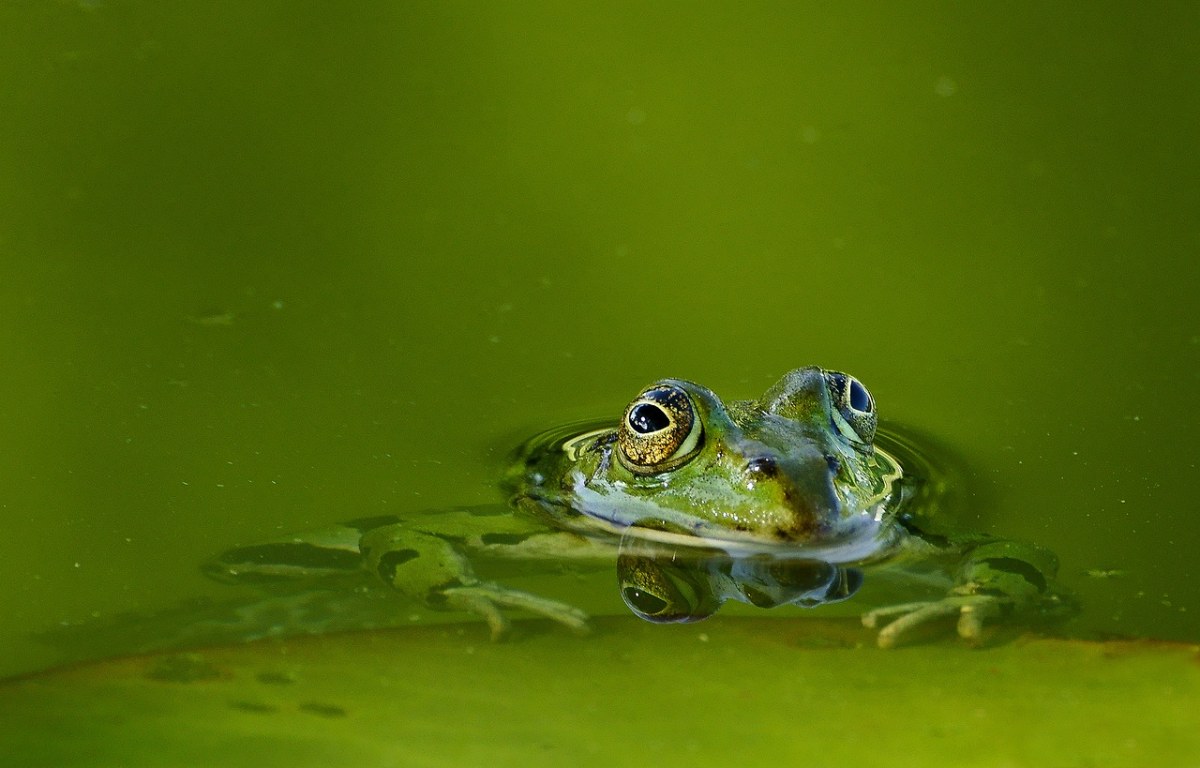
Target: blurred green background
(268, 265)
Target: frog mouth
(855, 539)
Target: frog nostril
(835, 464)
(765, 466)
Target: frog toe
(485, 599)
(971, 617)
(468, 600)
(898, 623)
(879, 617)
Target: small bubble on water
(945, 87)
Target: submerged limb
(896, 623)
(430, 569)
(995, 579)
(485, 599)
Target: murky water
(268, 266)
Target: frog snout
(804, 484)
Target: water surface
(269, 265)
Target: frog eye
(661, 591)
(659, 431)
(854, 405)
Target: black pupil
(645, 602)
(859, 399)
(646, 418)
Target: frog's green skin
(783, 499)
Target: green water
(270, 265)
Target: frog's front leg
(999, 579)
(430, 569)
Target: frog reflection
(673, 583)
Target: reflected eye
(645, 604)
(854, 404)
(660, 430)
(663, 592)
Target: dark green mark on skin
(391, 562)
(294, 553)
(507, 539)
(1019, 568)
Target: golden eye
(660, 430)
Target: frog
(791, 498)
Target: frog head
(796, 466)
